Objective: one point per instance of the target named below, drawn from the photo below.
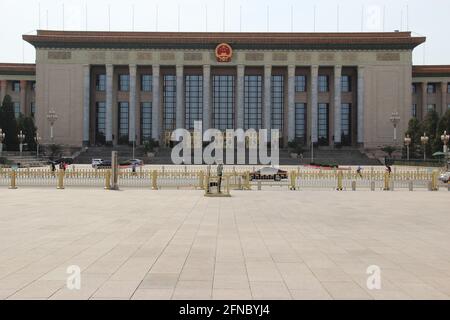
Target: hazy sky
(428, 18)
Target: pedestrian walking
(388, 169)
(359, 172)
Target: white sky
(428, 18)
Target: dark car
(105, 164)
(269, 173)
(65, 160)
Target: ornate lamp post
(52, 117)
(37, 139)
(407, 144)
(2, 138)
(395, 119)
(21, 138)
(445, 138)
(424, 139)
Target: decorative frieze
(254, 56)
(144, 56)
(167, 56)
(279, 56)
(59, 55)
(388, 56)
(303, 57)
(193, 56)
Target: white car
(445, 177)
(96, 162)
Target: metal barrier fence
(238, 178)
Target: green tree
(8, 124)
(444, 125)
(415, 132)
(430, 126)
(26, 124)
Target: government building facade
(333, 89)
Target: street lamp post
(395, 119)
(37, 139)
(52, 117)
(2, 138)
(407, 144)
(424, 139)
(21, 137)
(445, 138)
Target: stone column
(132, 111)
(86, 103)
(337, 104)
(314, 102)
(3, 85)
(291, 103)
(444, 97)
(180, 116)
(23, 96)
(156, 134)
(360, 101)
(240, 96)
(267, 97)
(109, 102)
(206, 97)
(423, 109)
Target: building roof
(17, 68)
(209, 40)
(431, 71)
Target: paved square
(143, 244)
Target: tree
(389, 150)
(429, 126)
(26, 124)
(415, 132)
(8, 124)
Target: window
(277, 102)
(414, 88)
(448, 106)
(346, 124)
(169, 102)
(100, 122)
(193, 100)
(146, 82)
(16, 86)
(223, 102)
(346, 84)
(448, 87)
(431, 88)
(252, 102)
(33, 85)
(123, 122)
(300, 83)
(300, 121)
(100, 82)
(414, 110)
(431, 107)
(124, 82)
(323, 124)
(146, 121)
(33, 109)
(323, 84)
(16, 109)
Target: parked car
(131, 162)
(445, 177)
(65, 160)
(105, 164)
(269, 173)
(96, 162)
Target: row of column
(444, 92)
(180, 107)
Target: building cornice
(17, 69)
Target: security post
(60, 185)
(339, 180)
(13, 180)
(386, 181)
(293, 180)
(108, 180)
(154, 180)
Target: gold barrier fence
(238, 178)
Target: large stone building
(329, 88)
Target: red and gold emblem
(224, 52)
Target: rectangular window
(414, 88)
(223, 102)
(33, 109)
(277, 102)
(414, 110)
(431, 88)
(100, 122)
(448, 87)
(252, 102)
(16, 109)
(146, 121)
(123, 122)
(346, 84)
(169, 102)
(300, 121)
(431, 107)
(146, 82)
(100, 82)
(300, 83)
(346, 124)
(322, 124)
(193, 100)
(323, 84)
(33, 85)
(16, 86)
(448, 106)
(124, 82)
